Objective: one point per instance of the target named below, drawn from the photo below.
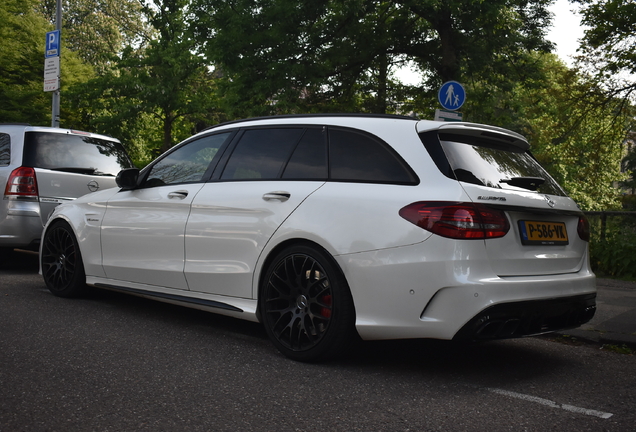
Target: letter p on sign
(52, 45)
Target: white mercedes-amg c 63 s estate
(325, 227)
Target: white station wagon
(324, 227)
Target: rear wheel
(61, 260)
(306, 304)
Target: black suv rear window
(489, 163)
(74, 153)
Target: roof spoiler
(492, 133)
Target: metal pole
(55, 111)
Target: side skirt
(241, 308)
(170, 297)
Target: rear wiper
(530, 183)
(79, 170)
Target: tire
(61, 261)
(306, 306)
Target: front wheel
(306, 305)
(61, 261)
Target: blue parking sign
(52, 45)
(451, 95)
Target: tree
(286, 55)
(98, 30)
(577, 133)
(23, 32)
(162, 86)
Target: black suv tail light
(22, 182)
(457, 220)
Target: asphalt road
(112, 362)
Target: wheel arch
(271, 254)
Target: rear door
(495, 168)
(270, 172)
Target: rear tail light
(22, 182)
(457, 220)
(583, 228)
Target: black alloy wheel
(61, 261)
(306, 305)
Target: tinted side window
(309, 160)
(5, 149)
(187, 164)
(261, 154)
(354, 156)
(74, 153)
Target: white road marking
(550, 403)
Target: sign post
(52, 52)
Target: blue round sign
(451, 95)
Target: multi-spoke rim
(59, 258)
(298, 302)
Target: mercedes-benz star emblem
(549, 200)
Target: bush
(615, 254)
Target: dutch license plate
(543, 233)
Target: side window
(187, 164)
(5, 149)
(309, 160)
(358, 157)
(261, 154)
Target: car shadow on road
(508, 359)
(20, 261)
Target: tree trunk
(167, 132)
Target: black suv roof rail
(15, 124)
(284, 116)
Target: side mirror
(127, 178)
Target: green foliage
(295, 56)
(153, 96)
(97, 30)
(610, 33)
(22, 32)
(575, 130)
(614, 254)
(619, 349)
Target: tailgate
(543, 237)
(57, 187)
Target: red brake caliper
(326, 311)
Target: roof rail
(284, 116)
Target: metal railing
(605, 214)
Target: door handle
(178, 194)
(278, 195)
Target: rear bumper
(408, 292)
(21, 226)
(528, 318)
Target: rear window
(74, 153)
(492, 164)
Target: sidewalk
(615, 319)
